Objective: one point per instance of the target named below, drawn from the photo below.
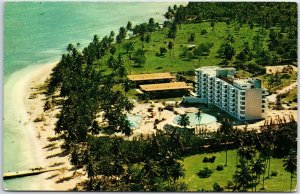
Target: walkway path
(272, 98)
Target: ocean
(36, 33)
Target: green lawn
(194, 163)
(177, 63)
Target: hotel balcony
(225, 91)
(224, 95)
(232, 101)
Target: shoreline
(27, 101)
(65, 178)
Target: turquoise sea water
(38, 33)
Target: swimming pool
(134, 120)
(204, 120)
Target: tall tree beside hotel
(226, 128)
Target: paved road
(272, 98)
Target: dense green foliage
(92, 83)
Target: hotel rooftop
(150, 76)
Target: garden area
(278, 181)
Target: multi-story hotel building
(243, 99)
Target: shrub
(170, 108)
(205, 159)
(211, 160)
(203, 32)
(274, 173)
(219, 168)
(204, 173)
(217, 188)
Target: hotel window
(242, 118)
(242, 112)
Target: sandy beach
(30, 100)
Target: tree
(162, 51)
(128, 46)
(226, 129)
(290, 165)
(258, 168)
(242, 177)
(192, 37)
(127, 85)
(172, 31)
(148, 38)
(122, 33)
(198, 116)
(184, 120)
(129, 26)
(229, 52)
(170, 47)
(140, 57)
(212, 25)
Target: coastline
(28, 100)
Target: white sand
(38, 132)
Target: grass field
(193, 164)
(176, 62)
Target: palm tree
(242, 177)
(198, 116)
(290, 165)
(226, 128)
(258, 168)
(184, 120)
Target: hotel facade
(243, 99)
